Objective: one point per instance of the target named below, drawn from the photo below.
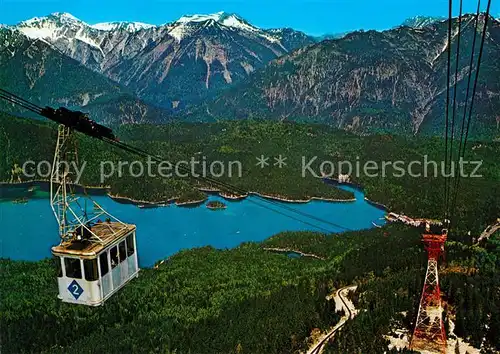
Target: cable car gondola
(95, 258)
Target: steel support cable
(481, 49)
(19, 103)
(139, 152)
(23, 103)
(18, 100)
(229, 188)
(454, 109)
(446, 182)
(143, 153)
(462, 129)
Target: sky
(315, 17)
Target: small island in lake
(23, 200)
(216, 205)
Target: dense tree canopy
(249, 300)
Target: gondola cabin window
(73, 268)
(90, 267)
(123, 253)
(113, 253)
(103, 259)
(57, 262)
(130, 245)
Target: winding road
(350, 311)
(490, 230)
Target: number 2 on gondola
(75, 289)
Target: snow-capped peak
(66, 16)
(119, 25)
(64, 26)
(223, 18)
(235, 21)
(181, 27)
(59, 18)
(201, 18)
(58, 25)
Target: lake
(28, 231)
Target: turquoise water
(28, 231)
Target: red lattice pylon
(429, 333)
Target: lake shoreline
(105, 190)
(211, 191)
(130, 200)
(303, 201)
(274, 197)
(360, 189)
(202, 228)
(377, 205)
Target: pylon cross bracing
(429, 333)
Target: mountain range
(219, 66)
(173, 65)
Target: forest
(247, 299)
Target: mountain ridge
(422, 21)
(211, 51)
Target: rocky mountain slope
(171, 65)
(36, 71)
(391, 81)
